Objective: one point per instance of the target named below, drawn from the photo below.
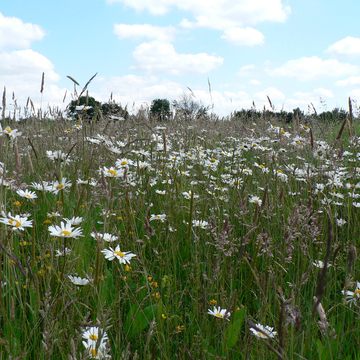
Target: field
(179, 240)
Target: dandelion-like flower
(265, 333)
(219, 313)
(65, 230)
(123, 257)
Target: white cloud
(215, 14)
(313, 68)
(243, 36)
(271, 92)
(314, 95)
(355, 94)
(246, 70)
(131, 89)
(347, 47)
(254, 82)
(15, 34)
(351, 81)
(161, 58)
(137, 31)
(21, 73)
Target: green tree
(85, 105)
(160, 108)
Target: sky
(230, 53)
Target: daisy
(320, 264)
(44, 186)
(57, 186)
(11, 133)
(17, 222)
(200, 223)
(75, 220)
(123, 257)
(64, 230)
(219, 313)
(352, 297)
(27, 194)
(107, 237)
(340, 222)
(112, 172)
(263, 332)
(65, 252)
(161, 217)
(78, 280)
(255, 200)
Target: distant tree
(86, 105)
(160, 108)
(189, 109)
(111, 108)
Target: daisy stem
(97, 264)
(190, 214)
(4, 172)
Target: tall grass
(269, 199)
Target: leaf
(234, 329)
(138, 319)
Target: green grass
(253, 259)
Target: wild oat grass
(230, 222)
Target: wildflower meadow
(179, 239)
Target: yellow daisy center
(282, 131)
(9, 130)
(28, 195)
(93, 353)
(93, 337)
(256, 200)
(112, 172)
(18, 223)
(124, 162)
(279, 171)
(119, 253)
(212, 160)
(60, 186)
(66, 233)
(357, 293)
(219, 315)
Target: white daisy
(123, 257)
(263, 332)
(27, 194)
(106, 236)
(17, 222)
(353, 297)
(219, 313)
(78, 280)
(65, 230)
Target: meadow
(200, 239)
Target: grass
(269, 205)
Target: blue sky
(296, 52)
